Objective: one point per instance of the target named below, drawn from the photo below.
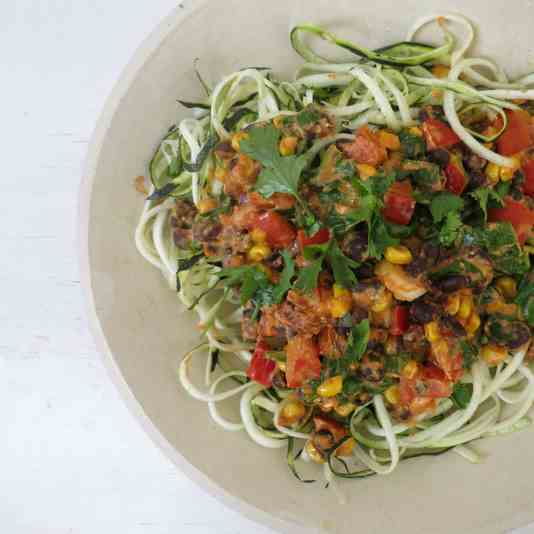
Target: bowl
(141, 330)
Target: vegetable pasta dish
(356, 243)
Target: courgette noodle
(388, 87)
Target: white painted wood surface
(72, 459)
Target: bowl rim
(145, 50)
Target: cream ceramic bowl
(141, 330)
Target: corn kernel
(237, 138)
(414, 130)
(382, 303)
(365, 171)
(207, 205)
(328, 404)
(440, 71)
(346, 448)
(340, 306)
(473, 324)
(278, 122)
(259, 252)
(313, 452)
(221, 173)
(331, 387)
(410, 369)
(389, 140)
(466, 307)
(288, 146)
(398, 255)
(507, 286)
(453, 304)
(493, 354)
(506, 174)
(493, 172)
(340, 291)
(344, 410)
(292, 412)
(432, 332)
(392, 395)
(258, 235)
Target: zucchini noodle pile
(385, 87)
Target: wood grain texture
(73, 461)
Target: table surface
(73, 459)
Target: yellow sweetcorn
(288, 146)
(259, 252)
(493, 354)
(453, 304)
(415, 130)
(237, 138)
(340, 306)
(432, 332)
(340, 291)
(466, 306)
(493, 172)
(507, 286)
(365, 171)
(392, 395)
(389, 140)
(313, 452)
(207, 205)
(344, 410)
(258, 235)
(410, 369)
(292, 412)
(331, 387)
(440, 71)
(473, 324)
(398, 255)
(382, 303)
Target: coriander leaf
(470, 354)
(358, 340)
(284, 284)
(307, 116)
(341, 266)
(262, 145)
(451, 229)
(379, 184)
(413, 146)
(525, 300)
(279, 174)
(379, 237)
(462, 394)
(443, 204)
(283, 177)
(249, 278)
(483, 195)
(307, 278)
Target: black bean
(358, 246)
(365, 270)
(358, 315)
(476, 179)
(473, 162)
(452, 324)
(421, 312)
(452, 283)
(519, 335)
(440, 156)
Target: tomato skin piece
(279, 201)
(366, 148)
(303, 361)
(516, 137)
(438, 134)
(528, 184)
(280, 232)
(430, 383)
(320, 237)
(399, 323)
(261, 368)
(521, 218)
(456, 177)
(399, 203)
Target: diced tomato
(366, 148)
(517, 213)
(456, 177)
(399, 323)
(438, 134)
(399, 203)
(303, 361)
(261, 368)
(516, 137)
(407, 390)
(528, 184)
(325, 424)
(280, 232)
(320, 237)
(430, 383)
